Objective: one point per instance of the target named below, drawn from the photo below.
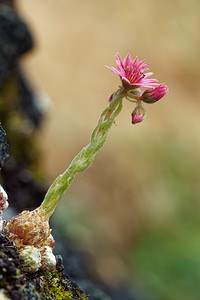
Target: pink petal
(113, 70)
(119, 62)
(127, 61)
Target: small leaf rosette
(31, 258)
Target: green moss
(55, 286)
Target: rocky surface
(23, 286)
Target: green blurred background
(136, 210)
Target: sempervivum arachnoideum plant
(30, 231)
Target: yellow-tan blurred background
(136, 210)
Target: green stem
(133, 97)
(86, 156)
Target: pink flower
(132, 73)
(138, 114)
(154, 94)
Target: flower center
(133, 75)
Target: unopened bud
(31, 259)
(154, 94)
(138, 114)
(48, 259)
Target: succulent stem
(86, 156)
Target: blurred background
(135, 211)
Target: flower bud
(138, 114)
(31, 259)
(48, 259)
(154, 94)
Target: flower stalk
(86, 156)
